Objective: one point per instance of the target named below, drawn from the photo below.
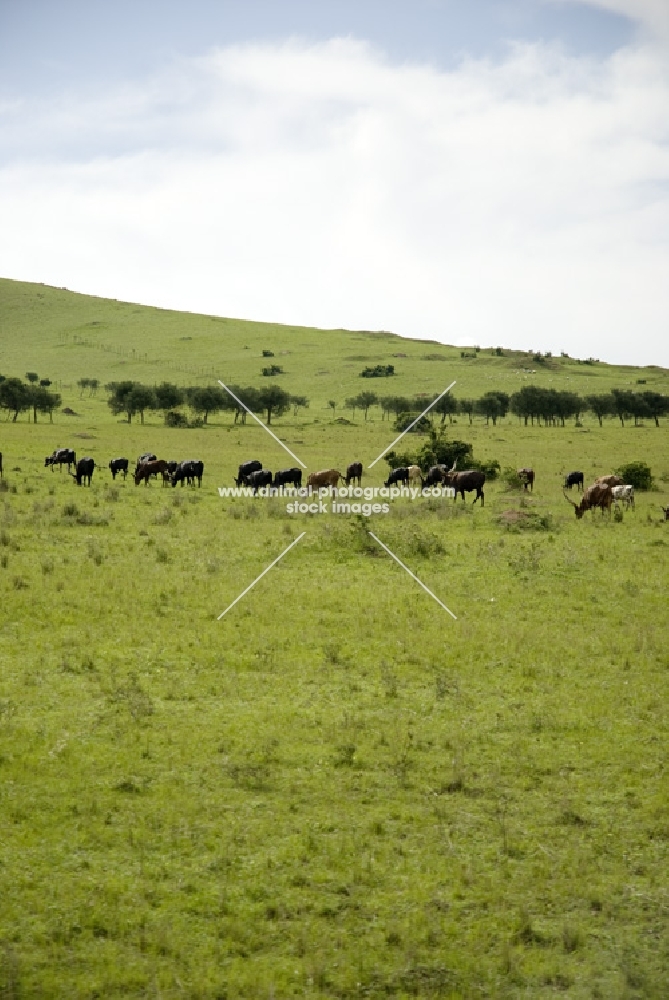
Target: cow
(61, 457)
(118, 465)
(610, 481)
(245, 470)
(147, 469)
(259, 479)
(354, 471)
(574, 479)
(598, 495)
(169, 472)
(624, 494)
(288, 476)
(84, 471)
(415, 475)
(400, 475)
(326, 477)
(526, 477)
(666, 513)
(435, 475)
(466, 481)
(146, 457)
(0, 463)
(189, 471)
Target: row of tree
(17, 396)
(134, 398)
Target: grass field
(337, 791)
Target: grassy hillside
(337, 791)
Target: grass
(337, 791)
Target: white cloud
(524, 203)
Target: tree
(623, 404)
(274, 400)
(249, 396)
(491, 407)
(447, 406)
(657, 405)
(32, 376)
(467, 406)
(601, 405)
(168, 397)
(14, 396)
(141, 398)
(332, 403)
(364, 400)
(44, 401)
(298, 402)
(205, 400)
(83, 383)
(45, 382)
(93, 385)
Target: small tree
(204, 400)
(32, 377)
(491, 407)
(298, 402)
(364, 400)
(657, 405)
(168, 397)
(601, 405)
(140, 399)
(83, 383)
(121, 399)
(44, 401)
(447, 406)
(467, 406)
(332, 403)
(14, 396)
(274, 400)
(623, 404)
(637, 474)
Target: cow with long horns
(598, 495)
(465, 482)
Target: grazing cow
(415, 475)
(258, 479)
(61, 457)
(526, 477)
(598, 495)
(574, 479)
(624, 494)
(400, 475)
(119, 465)
(169, 472)
(435, 476)
(84, 471)
(189, 471)
(245, 470)
(610, 481)
(146, 457)
(288, 476)
(327, 477)
(147, 469)
(353, 472)
(465, 482)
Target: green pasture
(336, 791)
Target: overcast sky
(474, 171)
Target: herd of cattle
(603, 493)
(147, 466)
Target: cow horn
(452, 468)
(569, 499)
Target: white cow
(415, 475)
(624, 493)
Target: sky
(491, 172)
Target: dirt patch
(513, 516)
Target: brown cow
(148, 469)
(354, 471)
(466, 482)
(415, 475)
(598, 495)
(327, 477)
(526, 477)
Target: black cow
(0, 463)
(85, 467)
(256, 480)
(400, 475)
(61, 457)
(435, 475)
(465, 482)
(119, 465)
(286, 476)
(574, 479)
(354, 471)
(245, 470)
(188, 471)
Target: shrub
(636, 474)
(175, 419)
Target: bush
(511, 478)
(491, 467)
(404, 419)
(175, 419)
(636, 474)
